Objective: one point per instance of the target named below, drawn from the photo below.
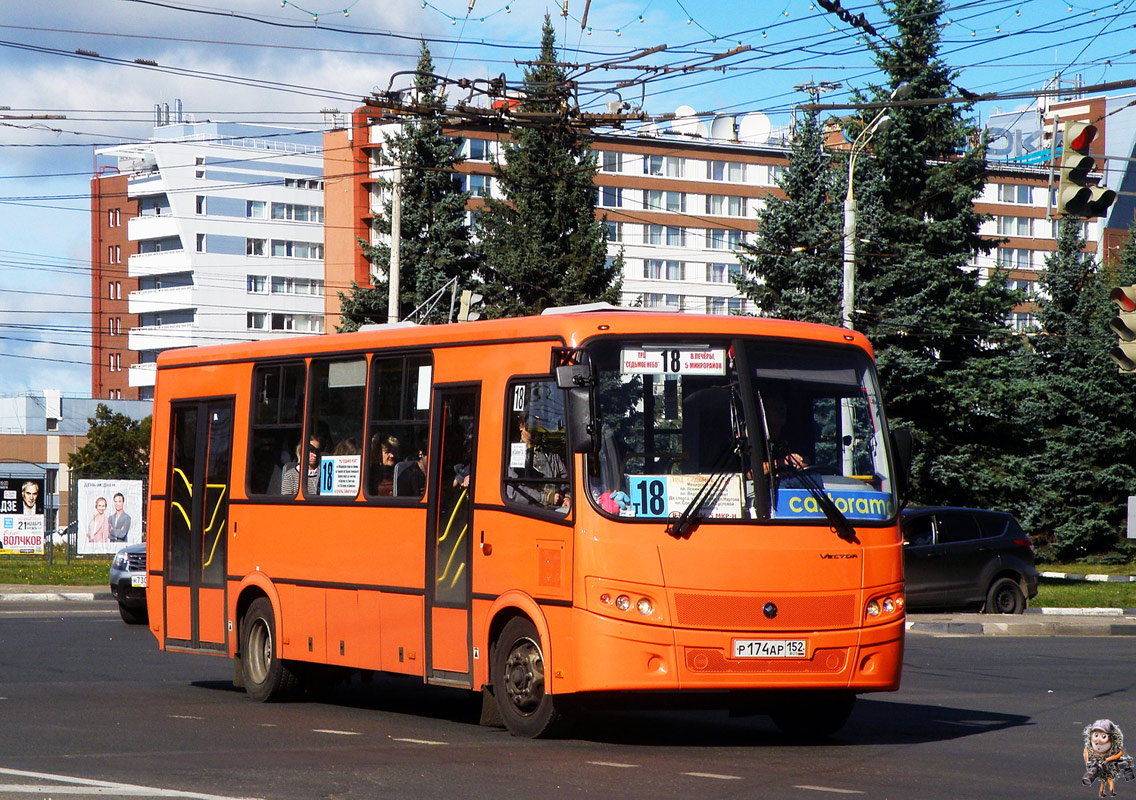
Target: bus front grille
(764, 612)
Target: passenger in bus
(384, 453)
(410, 476)
(786, 461)
(348, 447)
(290, 482)
(539, 462)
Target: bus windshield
(688, 424)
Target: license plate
(138, 581)
(771, 648)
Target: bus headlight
(640, 603)
(645, 606)
(884, 607)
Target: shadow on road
(873, 721)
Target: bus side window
(398, 432)
(335, 420)
(277, 424)
(536, 447)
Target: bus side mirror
(573, 376)
(581, 430)
(902, 444)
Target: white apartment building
(225, 242)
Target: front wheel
(266, 677)
(1005, 597)
(519, 681)
(133, 615)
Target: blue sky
(268, 61)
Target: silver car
(128, 583)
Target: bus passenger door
(197, 517)
(450, 530)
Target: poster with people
(109, 515)
(21, 516)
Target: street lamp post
(881, 122)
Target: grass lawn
(35, 571)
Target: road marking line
(94, 787)
(336, 733)
(829, 789)
(184, 716)
(712, 775)
(615, 764)
(415, 741)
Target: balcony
(161, 263)
(145, 184)
(163, 337)
(146, 301)
(142, 375)
(156, 226)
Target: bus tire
(1005, 597)
(266, 677)
(132, 615)
(527, 710)
(813, 714)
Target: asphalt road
(90, 708)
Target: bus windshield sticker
(864, 504)
(665, 496)
(672, 361)
(339, 475)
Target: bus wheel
(815, 714)
(518, 681)
(266, 677)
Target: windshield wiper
(681, 526)
(840, 524)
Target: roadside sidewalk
(1035, 622)
(38, 594)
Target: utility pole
(396, 243)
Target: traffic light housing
(1076, 195)
(1124, 326)
(469, 302)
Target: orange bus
(577, 507)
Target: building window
(110, 254)
(256, 284)
(669, 166)
(611, 196)
(201, 242)
(283, 285)
(673, 235)
(659, 269)
(199, 167)
(479, 150)
(296, 212)
(1015, 193)
(658, 200)
(715, 305)
(725, 205)
(283, 322)
(118, 254)
(1020, 321)
(110, 217)
(614, 231)
(255, 247)
(200, 208)
(1015, 257)
(730, 171)
(255, 209)
(1015, 226)
(611, 161)
(479, 185)
(257, 320)
(716, 273)
(282, 248)
(653, 269)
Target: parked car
(128, 583)
(958, 558)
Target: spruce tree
(935, 325)
(434, 244)
(1085, 417)
(793, 269)
(541, 242)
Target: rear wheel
(519, 682)
(1005, 597)
(810, 715)
(266, 677)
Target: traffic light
(469, 301)
(1124, 326)
(1076, 195)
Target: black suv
(967, 558)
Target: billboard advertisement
(109, 515)
(21, 516)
